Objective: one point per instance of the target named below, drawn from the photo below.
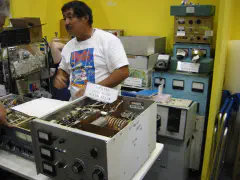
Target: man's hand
(3, 116)
(60, 82)
(81, 92)
(61, 79)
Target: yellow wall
(138, 17)
(235, 32)
(223, 35)
(134, 16)
(48, 10)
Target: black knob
(77, 167)
(198, 38)
(198, 21)
(190, 21)
(94, 153)
(60, 165)
(61, 141)
(98, 175)
(54, 138)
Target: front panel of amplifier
(17, 141)
(64, 154)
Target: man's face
(75, 26)
(2, 21)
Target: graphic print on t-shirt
(83, 69)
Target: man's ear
(86, 18)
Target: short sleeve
(116, 56)
(64, 64)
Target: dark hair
(80, 9)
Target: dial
(98, 175)
(94, 153)
(198, 21)
(78, 166)
(61, 164)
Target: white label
(130, 81)
(179, 103)
(47, 167)
(136, 105)
(188, 67)
(208, 33)
(190, 10)
(181, 33)
(181, 19)
(42, 135)
(101, 93)
(45, 152)
(163, 57)
(180, 28)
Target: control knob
(94, 153)
(77, 167)
(198, 21)
(98, 175)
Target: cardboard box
(142, 62)
(116, 32)
(32, 24)
(14, 36)
(143, 45)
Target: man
(4, 12)
(56, 49)
(92, 56)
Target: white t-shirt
(92, 60)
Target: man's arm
(56, 48)
(61, 79)
(116, 77)
(63, 72)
